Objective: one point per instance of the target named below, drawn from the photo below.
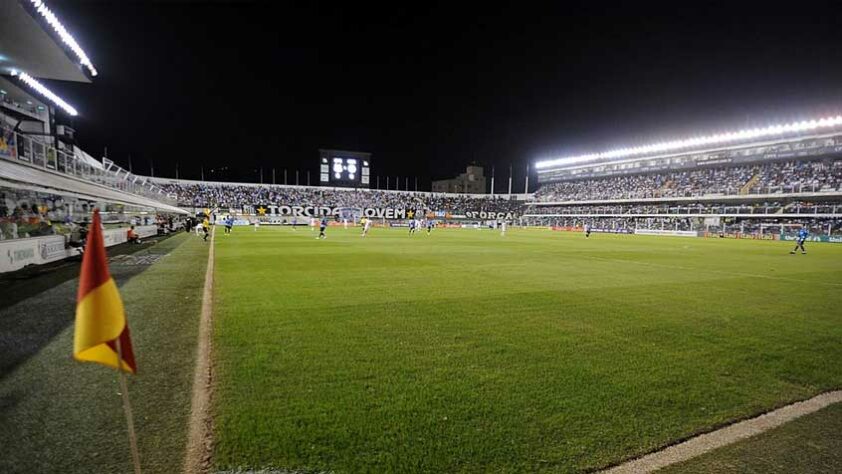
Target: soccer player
(205, 228)
(411, 226)
(503, 228)
(799, 241)
(294, 222)
(587, 230)
(229, 223)
(322, 227)
(366, 225)
(429, 226)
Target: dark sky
(428, 88)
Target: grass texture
(538, 351)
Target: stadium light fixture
(66, 37)
(740, 135)
(31, 82)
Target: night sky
(429, 88)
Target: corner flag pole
(101, 324)
(127, 408)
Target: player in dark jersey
(322, 227)
(429, 226)
(411, 226)
(587, 230)
(799, 241)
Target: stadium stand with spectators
(231, 195)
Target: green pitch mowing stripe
(538, 351)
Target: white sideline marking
(704, 443)
(200, 430)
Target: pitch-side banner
(814, 238)
(490, 215)
(318, 211)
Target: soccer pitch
(542, 351)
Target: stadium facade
(48, 185)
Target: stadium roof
(35, 43)
(739, 137)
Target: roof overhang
(21, 176)
(25, 45)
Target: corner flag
(100, 318)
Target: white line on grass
(200, 429)
(701, 444)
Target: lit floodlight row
(66, 37)
(803, 126)
(31, 82)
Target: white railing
(30, 151)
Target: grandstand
(769, 181)
(243, 199)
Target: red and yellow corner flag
(100, 319)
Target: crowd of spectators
(766, 207)
(771, 178)
(801, 176)
(232, 196)
(616, 224)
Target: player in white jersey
(503, 228)
(366, 226)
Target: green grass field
(465, 351)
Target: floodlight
(748, 134)
(66, 37)
(31, 82)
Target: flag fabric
(100, 318)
